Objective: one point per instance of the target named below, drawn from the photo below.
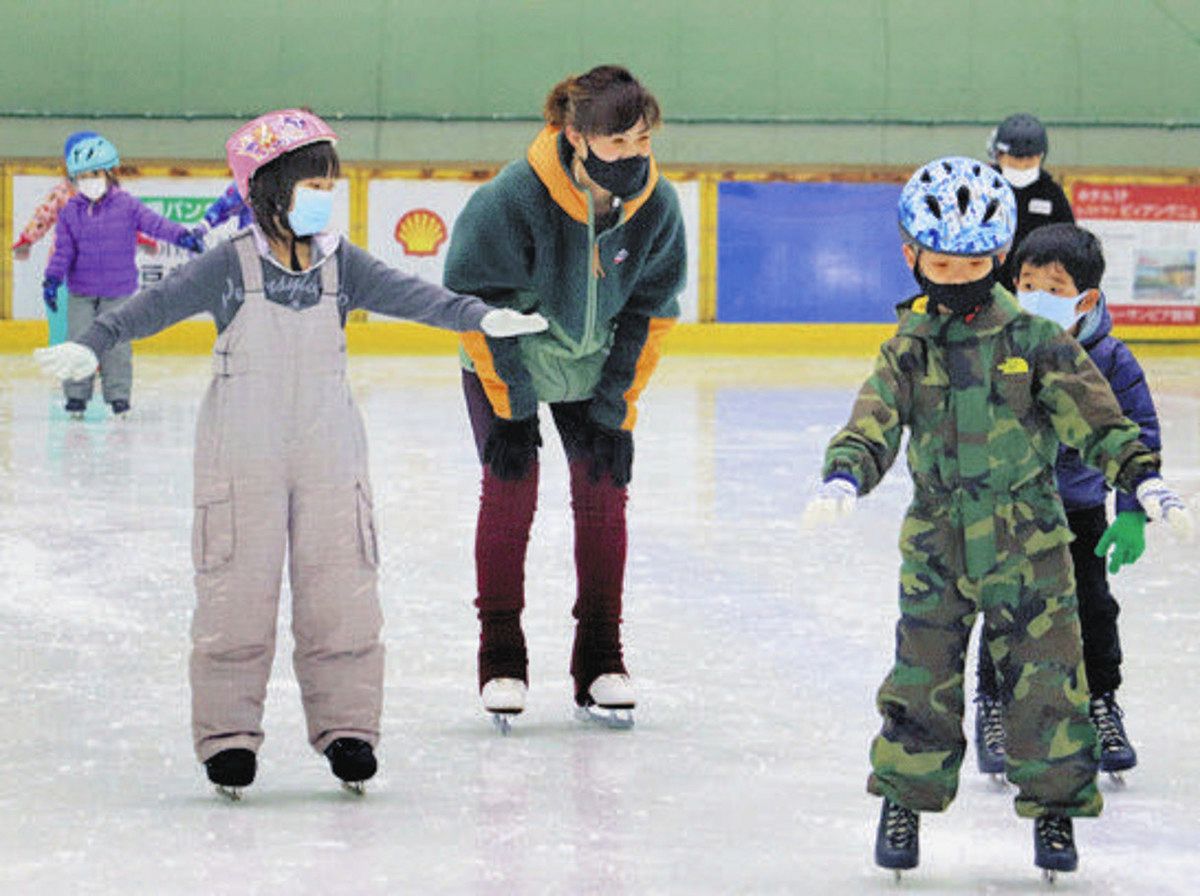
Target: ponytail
(558, 104)
(605, 100)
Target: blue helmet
(75, 138)
(958, 206)
(90, 154)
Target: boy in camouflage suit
(986, 392)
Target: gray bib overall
(281, 470)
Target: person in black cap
(1017, 147)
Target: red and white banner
(1151, 237)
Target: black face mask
(960, 298)
(624, 178)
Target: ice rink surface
(757, 650)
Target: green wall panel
(851, 61)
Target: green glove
(1126, 536)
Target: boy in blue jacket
(1057, 269)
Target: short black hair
(1076, 249)
(271, 185)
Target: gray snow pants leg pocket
(368, 542)
(212, 528)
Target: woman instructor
(585, 230)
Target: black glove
(612, 452)
(50, 293)
(192, 240)
(511, 447)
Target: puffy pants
(116, 364)
(1098, 610)
(1031, 629)
(506, 511)
(281, 473)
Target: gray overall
(281, 468)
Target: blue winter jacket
(1082, 486)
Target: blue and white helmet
(958, 206)
(91, 154)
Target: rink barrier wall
(717, 320)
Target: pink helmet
(270, 136)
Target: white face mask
(1021, 177)
(92, 187)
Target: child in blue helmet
(1058, 269)
(95, 244)
(986, 393)
(42, 221)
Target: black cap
(1019, 135)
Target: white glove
(501, 322)
(1162, 504)
(67, 360)
(835, 499)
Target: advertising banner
(1151, 237)
(809, 253)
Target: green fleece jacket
(528, 240)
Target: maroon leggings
(506, 511)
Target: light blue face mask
(1060, 309)
(311, 210)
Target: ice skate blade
(358, 788)
(620, 719)
(1049, 875)
(503, 722)
(998, 780)
(1117, 778)
(233, 794)
(75, 415)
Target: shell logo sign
(421, 232)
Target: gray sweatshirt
(213, 283)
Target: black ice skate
(1054, 845)
(76, 408)
(120, 409)
(231, 770)
(353, 761)
(989, 736)
(897, 842)
(1116, 752)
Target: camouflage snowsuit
(986, 403)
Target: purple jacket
(1082, 486)
(95, 243)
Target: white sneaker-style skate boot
(611, 700)
(504, 698)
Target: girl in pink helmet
(281, 459)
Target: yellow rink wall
(706, 336)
